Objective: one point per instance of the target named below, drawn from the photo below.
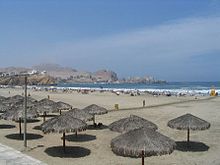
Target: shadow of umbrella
(80, 138)
(6, 126)
(70, 152)
(193, 146)
(97, 127)
(29, 136)
(29, 121)
(50, 115)
(38, 127)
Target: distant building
(43, 72)
(33, 72)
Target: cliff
(32, 80)
(46, 74)
(69, 75)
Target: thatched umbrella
(63, 106)
(16, 99)
(63, 124)
(142, 142)
(4, 107)
(46, 106)
(16, 114)
(79, 114)
(131, 123)
(95, 110)
(188, 122)
(2, 98)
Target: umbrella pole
(44, 118)
(142, 157)
(64, 145)
(188, 137)
(60, 112)
(20, 126)
(76, 133)
(93, 119)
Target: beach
(93, 145)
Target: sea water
(172, 87)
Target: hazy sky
(174, 40)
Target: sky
(172, 40)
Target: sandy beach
(92, 147)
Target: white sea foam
(132, 90)
(155, 91)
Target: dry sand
(92, 147)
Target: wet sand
(93, 146)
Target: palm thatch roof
(79, 114)
(16, 97)
(188, 121)
(4, 107)
(2, 98)
(14, 100)
(46, 102)
(131, 123)
(132, 143)
(16, 113)
(95, 110)
(63, 124)
(46, 105)
(18, 100)
(63, 106)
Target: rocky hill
(32, 80)
(45, 74)
(69, 75)
(56, 70)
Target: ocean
(172, 87)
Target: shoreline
(118, 91)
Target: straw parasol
(63, 124)
(16, 99)
(46, 106)
(95, 110)
(16, 114)
(79, 114)
(188, 122)
(131, 123)
(142, 142)
(4, 107)
(2, 98)
(63, 106)
(46, 102)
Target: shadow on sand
(30, 121)
(6, 126)
(71, 152)
(30, 136)
(50, 115)
(37, 127)
(92, 127)
(193, 146)
(80, 138)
